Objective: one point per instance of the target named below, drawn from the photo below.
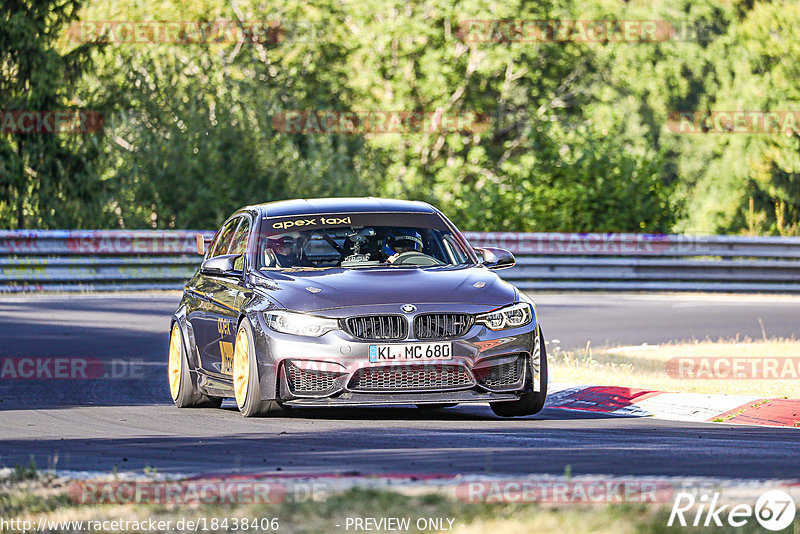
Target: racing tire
(437, 406)
(246, 383)
(180, 381)
(530, 402)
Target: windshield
(363, 245)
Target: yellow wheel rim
(174, 367)
(241, 367)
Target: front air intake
(309, 382)
(411, 378)
(442, 325)
(377, 327)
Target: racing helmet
(282, 245)
(402, 240)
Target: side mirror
(496, 258)
(222, 265)
(202, 244)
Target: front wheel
(246, 383)
(530, 402)
(180, 383)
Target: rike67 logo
(774, 511)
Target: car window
(239, 243)
(320, 251)
(226, 233)
(454, 252)
(361, 247)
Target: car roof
(314, 206)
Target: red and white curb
(697, 407)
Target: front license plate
(416, 352)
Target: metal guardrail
(649, 262)
(113, 260)
(96, 260)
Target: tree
(46, 179)
(573, 133)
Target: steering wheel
(412, 257)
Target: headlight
(300, 324)
(509, 317)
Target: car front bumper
(334, 369)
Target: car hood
(323, 289)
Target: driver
(282, 251)
(401, 240)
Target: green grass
(27, 471)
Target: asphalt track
(130, 424)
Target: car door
(225, 303)
(215, 322)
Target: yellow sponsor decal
(309, 222)
(224, 327)
(299, 222)
(226, 350)
(334, 220)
